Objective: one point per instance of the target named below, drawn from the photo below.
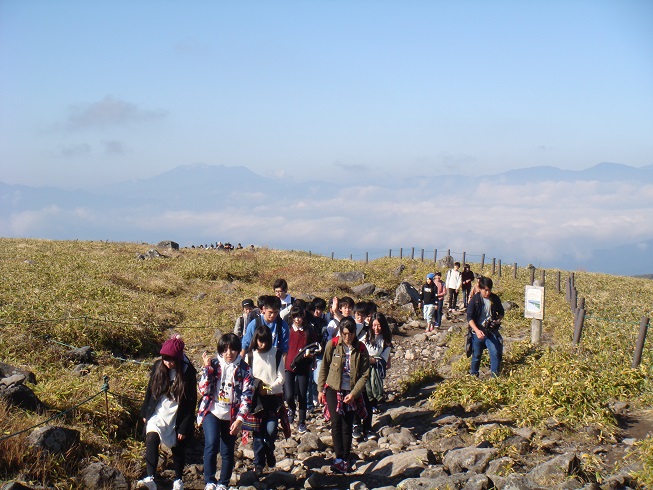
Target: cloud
(73, 151)
(114, 148)
(109, 112)
(351, 167)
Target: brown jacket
(333, 363)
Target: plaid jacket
(242, 386)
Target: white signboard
(534, 302)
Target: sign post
(534, 309)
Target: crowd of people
(223, 246)
(285, 358)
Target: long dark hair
(385, 329)
(264, 334)
(161, 384)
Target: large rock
(99, 476)
(53, 439)
(168, 244)
(83, 355)
(406, 293)
(471, 459)
(408, 463)
(14, 392)
(351, 276)
(445, 263)
(7, 370)
(365, 289)
(555, 470)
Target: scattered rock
(351, 276)
(168, 244)
(99, 476)
(365, 289)
(53, 439)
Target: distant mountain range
(203, 203)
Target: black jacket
(475, 308)
(185, 422)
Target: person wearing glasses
(484, 315)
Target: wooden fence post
(422, 255)
(435, 256)
(482, 261)
(543, 280)
(401, 253)
(332, 255)
(514, 271)
(499, 268)
(494, 265)
(579, 321)
(412, 254)
(464, 254)
(351, 256)
(448, 252)
(643, 328)
(532, 271)
(390, 253)
(558, 282)
(574, 300)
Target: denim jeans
(216, 435)
(295, 387)
(263, 442)
(438, 312)
(493, 342)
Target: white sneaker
(147, 482)
(211, 486)
(221, 487)
(178, 485)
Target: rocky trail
(419, 449)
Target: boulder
(365, 289)
(82, 355)
(169, 244)
(7, 370)
(350, 276)
(446, 262)
(406, 293)
(19, 395)
(408, 463)
(99, 476)
(53, 439)
(471, 459)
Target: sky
(106, 91)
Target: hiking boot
(291, 416)
(301, 428)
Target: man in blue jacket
(484, 314)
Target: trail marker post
(534, 309)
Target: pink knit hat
(173, 347)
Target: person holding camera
(484, 314)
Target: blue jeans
(493, 342)
(216, 434)
(263, 442)
(438, 312)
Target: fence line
(578, 310)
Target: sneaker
(356, 433)
(376, 410)
(147, 482)
(291, 416)
(372, 436)
(219, 486)
(301, 428)
(339, 466)
(213, 486)
(178, 485)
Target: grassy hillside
(61, 294)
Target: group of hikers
(484, 311)
(286, 356)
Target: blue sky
(105, 91)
